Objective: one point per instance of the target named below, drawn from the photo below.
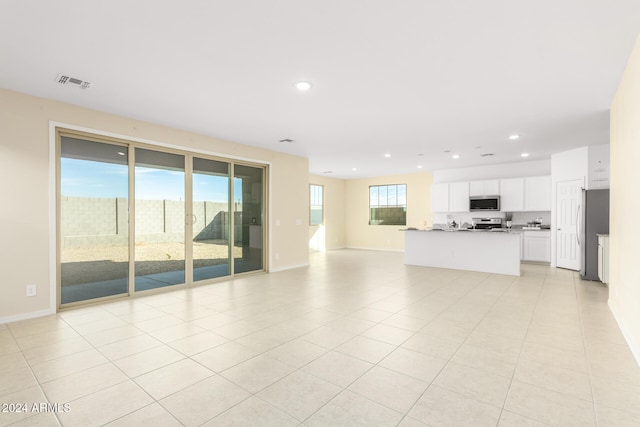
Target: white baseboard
(375, 249)
(287, 267)
(633, 345)
(26, 316)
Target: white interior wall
(503, 170)
(599, 166)
(624, 246)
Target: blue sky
(83, 178)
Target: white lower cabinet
(603, 258)
(536, 246)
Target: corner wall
(624, 242)
(25, 223)
(359, 234)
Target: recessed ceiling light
(524, 155)
(121, 153)
(354, 169)
(387, 155)
(419, 166)
(303, 86)
(455, 156)
(514, 136)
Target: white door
(568, 201)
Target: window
(388, 204)
(316, 207)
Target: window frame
(311, 205)
(397, 205)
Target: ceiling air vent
(72, 81)
(486, 155)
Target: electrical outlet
(32, 290)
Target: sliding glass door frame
(189, 157)
(59, 133)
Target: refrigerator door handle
(577, 227)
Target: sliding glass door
(211, 224)
(248, 215)
(160, 219)
(192, 218)
(93, 232)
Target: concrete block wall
(88, 216)
(93, 221)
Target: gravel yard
(83, 265)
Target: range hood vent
(64, 79)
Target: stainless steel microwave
(484, 203)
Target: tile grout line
(39, 385)
(584, 346)
(458, 349)
(365, 372)
(109, 361)
(524, 340)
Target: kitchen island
(474, 250)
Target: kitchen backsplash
(522, 218)
(519, 218)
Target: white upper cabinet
(459, 197)
(537, 193)
(531, 194)
(440, 197)
(453, 197)
(512, 195)
(484, 188)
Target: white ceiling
(406, 77)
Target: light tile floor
(358, 338)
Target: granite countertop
(476, 230)
(461, 230)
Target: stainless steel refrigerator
(594, 213)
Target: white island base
(483, 251)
